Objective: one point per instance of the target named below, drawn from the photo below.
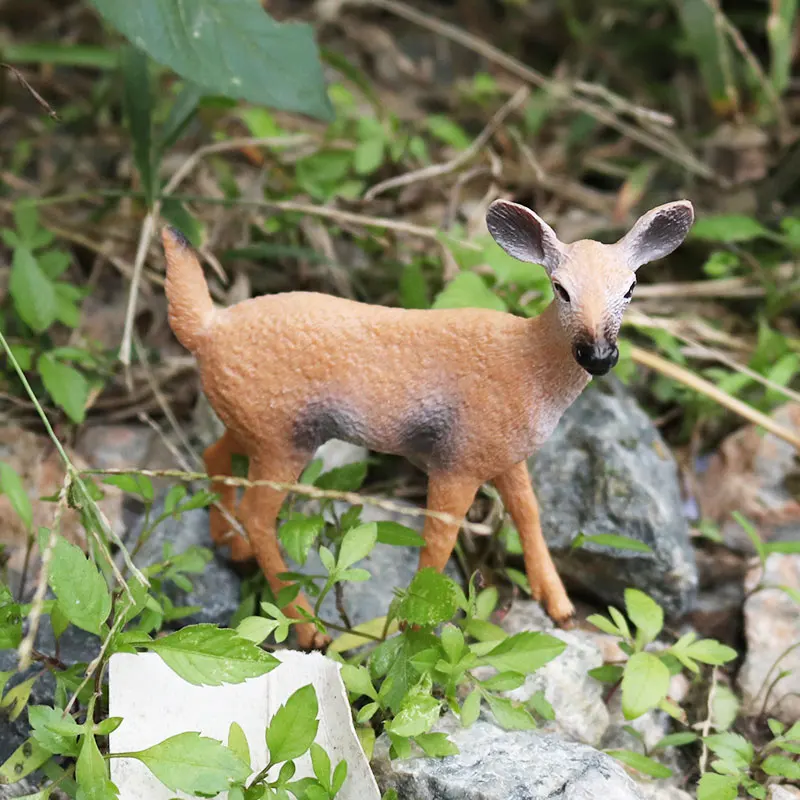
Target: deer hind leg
(452, 495)
(259, 511)
(218, 459)
(520, 501)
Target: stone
(115, 446)
(754, 472)
(391, 567)
(216, 590)
(606, 469)
(576, 698)
(155, 703)
(19, 789)
(784, 793)
(772, 626)
(493, 764)
(653, 791)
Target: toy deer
(466, 394)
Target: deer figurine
(465, 394)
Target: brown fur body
(466, 394)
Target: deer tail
(189, 303)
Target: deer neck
(555, 378)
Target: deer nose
(595, 357)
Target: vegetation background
(352, 148)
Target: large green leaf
(194, 764)
(644, 684)
(32, 291)
(294, 726)
(525, 652)
(206, 655)
(230, 47)
(68, 388)
(81, 590)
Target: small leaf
(471, 708)
(91, 772)
(63, 740)
(709, 651)
(645, 613)
(32, 291)
(347, 478)
(193, 764)
(436, 745)
(783, 766)
(256, 629)
(731, 747)
(418, 711)
(641, 763)
(11, 486)
(394, 533)
(133, 483)
(357, 544)
(68, 388)
(81, 589)
(724, 708)
(727, 228)
(468, 290)
(206, 655)
(675, 740)
(298, 536)
(237, 742)
(717, 787)
(430, 599)
(358, 681)
(617, 541)
(294, 726)
(541, 705)
(604, 625)
(510, 716)
(525, 652)
(644, 684)
(340, 776)
(608, 673)
(504, 681)
(138, 109)
(321, 763)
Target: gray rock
(19, 789)
(576, 698)
(607, 470)
(504, 765)
(216, 589)
(772, 626)
(651, 791)
(391, 567)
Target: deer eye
(561, 292)
(629, 293)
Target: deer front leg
(520, 501)
(452, 495)
(259, 511)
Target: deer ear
(657, 233)
(523, 234)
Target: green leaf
(237, 742)
(781, 765)
(614, 540)
(32, 291)
(728, 228)
(27, 758)
(347, 478)
(782, 547)
(510, 715)
(731, 747)
(608, 673)
(294, 726)
(358, 681)
(541, 705)
(396, 534)
(641, 763)
(10, 626)
(710, 651)
(471, 708)
(138, 109)
(68, 388)
(357, 544)
(180, 114)
(133, 483)
(780, 32)
(620, 622)
(256, 629)
(11, 486)
(675, 740)
(724, 708)
(234, 49)
(504, 681)
(605, 625)
(193, 764)
(339, 777)
(436, 745)
(81, 589)
(321, 763)
(717, 787)
(369, 155)
(644, 684)
(418, 711)
(206, 655)
(431, 598)
(413, 286)
(524, 652)
(645, 613)
(298, 536)
(91, 772)
(62, 741)
(467, 290)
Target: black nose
(596, 359)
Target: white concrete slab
(155, 704)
